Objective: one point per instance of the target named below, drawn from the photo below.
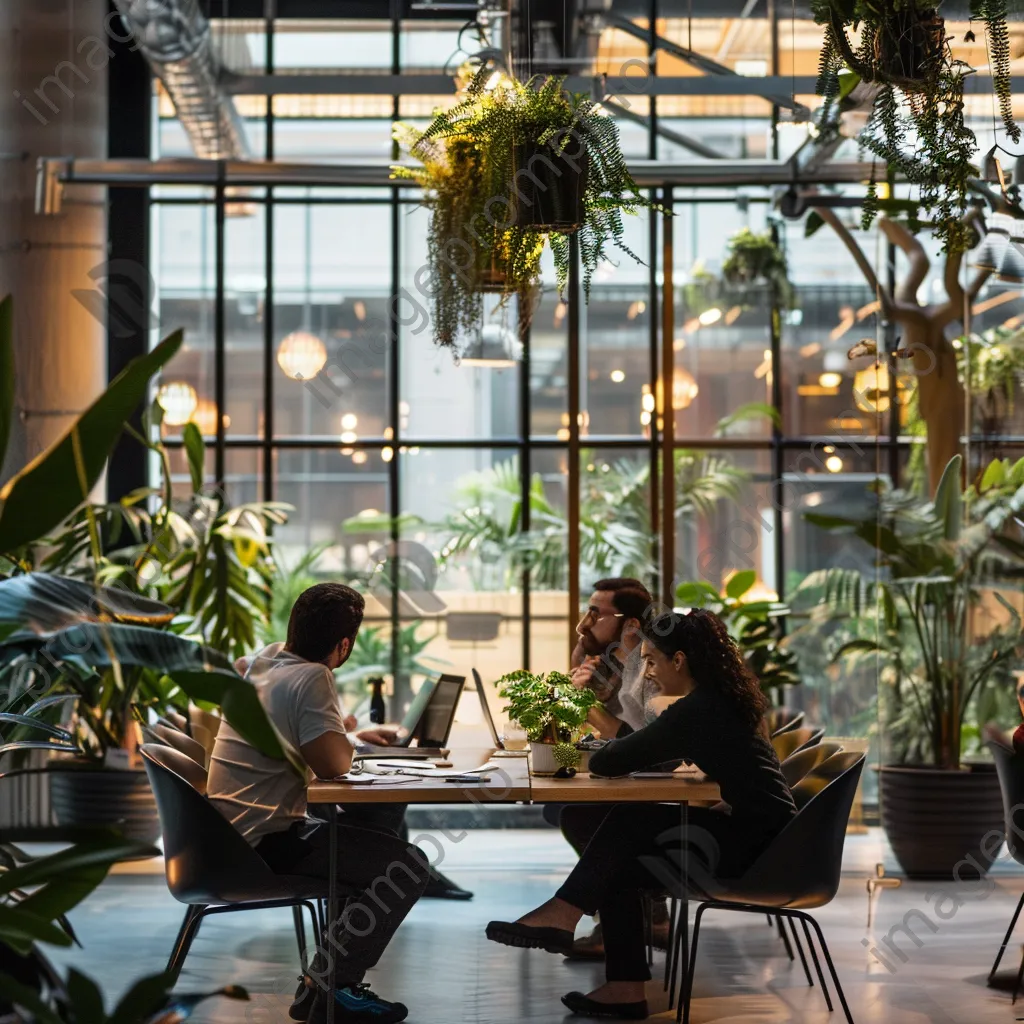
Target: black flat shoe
(579, 1003)
(441, 888)
(523, 936)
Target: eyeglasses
(590, 615)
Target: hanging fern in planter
(467, 254)
(507, 167)
(754, 258)
(904, 52)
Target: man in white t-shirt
(265, 799)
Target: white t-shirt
(630, 702)
(256, 793)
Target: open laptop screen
(439, 714)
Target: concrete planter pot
(84, 796)
(936, 818)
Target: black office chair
(786, 744)
(171, 737)
(796, 766)
(1010, 767)
(782, 720)
(208, 865)
(799, 871)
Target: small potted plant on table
(553, 712)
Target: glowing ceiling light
(684, 388)
(349, 421)
(647, 403)
(830, 379)
(359, 458)
(178, 401)
(349, 437)
(834, 464)
(301, 355)
(387, 454)
(617, 376)
(710, 316)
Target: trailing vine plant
(472, 173)
(904, 53)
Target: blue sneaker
(357, 1004)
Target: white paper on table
(365, 779)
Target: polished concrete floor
(443, 967)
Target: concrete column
(53, 102)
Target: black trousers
(391, 873)
(610, 877)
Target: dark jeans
(610, 878)
(391, 873)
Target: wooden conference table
(509, 781)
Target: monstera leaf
(64, 620)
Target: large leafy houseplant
(753, 623)
(989, 366)
(904, 54)
(482, 161)
(937, 573)
(548, 707)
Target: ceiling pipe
(176, 40)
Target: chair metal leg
(672, 908)
(831, 966)
(1006, 937)
(800, 950)
(1020, 978)
(683, 1011)
(300, 934)
(817, 965)
(676, 950)
(648, 926)
(186, 933)
(784, 936)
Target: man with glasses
(607, 660)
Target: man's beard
(592, 646)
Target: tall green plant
(939, 562)
(753, 623)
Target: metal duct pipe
(177, 42)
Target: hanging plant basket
(493, 279)
(909, 47)
(550, 189)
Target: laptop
(428, 721)
(499, 743)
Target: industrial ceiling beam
(693, 145)
(708, 65)
(54, 174)
(773, 88)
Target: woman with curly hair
(717, 722)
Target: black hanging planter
(549, 187)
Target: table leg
(684, 906)
(332, 906)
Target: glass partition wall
(662, 430)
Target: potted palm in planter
(938, 575)
(553, 714)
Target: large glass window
(336, 400)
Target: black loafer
(441, 888)
(523, 936)
(579, 1003)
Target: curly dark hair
(323, 616)
(714, 659)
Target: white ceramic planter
(542, 759)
